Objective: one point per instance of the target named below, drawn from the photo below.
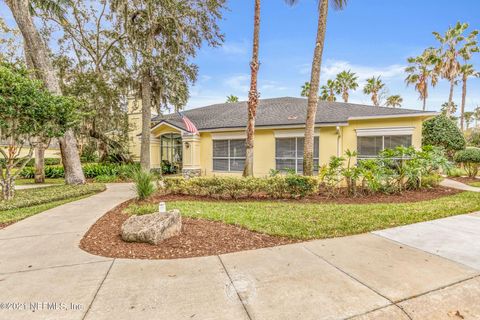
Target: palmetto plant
(312, 103)
(394, 101)
(421, 73)
(327, 92)
(305, 89)
(466, 72)
(345, 81)
(452, 45)
(373, 87)
(232, 99)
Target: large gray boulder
(152, 228)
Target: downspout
(339, 135)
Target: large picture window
(370, 146)
(289, 154)
(228, 155)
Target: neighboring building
(219, 148)
(53, 150)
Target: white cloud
(238, 83)
(235, 48)
(332, 67)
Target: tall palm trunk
(252, 94)
(314, 86)
(464, 95)
(424, 107)
(450, 96)
(40, 59)
(345, 96)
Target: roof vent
(292, 118)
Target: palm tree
(312, 103)
(232, 99)
(448, 108)
(327, 92)
(466, 71)
(373, 87)
(394, 101)
(453, 44)
(476, 115)
(305, 89)
(346, 81)
(420, 72)
(252, 94)
(468, 116)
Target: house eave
(391, 116)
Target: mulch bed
(198, 238)
(342, 198)
(6, 224)
(202, 237)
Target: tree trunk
(462, 107)
(40, 163)
(424, 103)
(345, 96)
(314, 86)
(450, 97)
(146, 118)
(40, 59)
(252, 95)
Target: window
(171, 147)
(228, 155)
(370, 146)
(289, 153)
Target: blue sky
(369, 37)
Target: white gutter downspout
(338, 140)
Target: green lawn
(475, 184)
(20, 182)
(32, 201)
(310, 221)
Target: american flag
(188, 123)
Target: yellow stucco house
(219, 147)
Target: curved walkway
(449, 183)
(401, 273)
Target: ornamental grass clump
(144, 185)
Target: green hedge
(289, 186)
(37, 196)
(91, 170)
(470, 159)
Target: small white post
(162, 207)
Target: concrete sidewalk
(385, 275)
(449, 183)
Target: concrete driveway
(421, 271)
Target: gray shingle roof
(285, 111)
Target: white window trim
(296, 158)
(391, 131)
(292, 133)
(228, 157)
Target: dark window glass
(228, 155)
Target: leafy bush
(143, 184)
(470, 159)
(91, 170)
(474, 138)
(279, 186)
(456, 172)
(442, 132)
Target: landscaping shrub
(279, 186)
(105, 178)
(442, 132)
(470, 159)
(91, 170)
(143, 184)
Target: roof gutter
(407, 115)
